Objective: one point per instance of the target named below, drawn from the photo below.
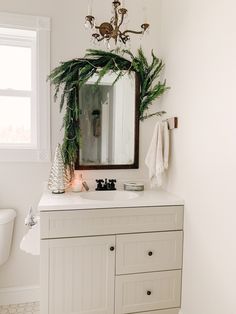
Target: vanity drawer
(148, 291)
(147, 252)
(72, 223)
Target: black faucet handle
(112, 184)
(99, 184)
(99, 180)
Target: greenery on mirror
(71, 75)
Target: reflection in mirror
(108, 122)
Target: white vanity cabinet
(112, 260)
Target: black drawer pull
(112, 248)
(150, 253)
(149, 292)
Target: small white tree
(58, 179)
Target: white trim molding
(17, 295)
(24, 21)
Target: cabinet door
(79, 275)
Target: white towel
(158, 153)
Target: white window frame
(40, 151)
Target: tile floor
(25, 308)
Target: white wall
(199, 49)
(21, 184)
(198, 45)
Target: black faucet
(107, 185)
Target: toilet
(7, 217)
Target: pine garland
(71, 75)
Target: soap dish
(133, 186)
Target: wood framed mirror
(69, 79)
(109, 122)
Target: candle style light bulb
(126, 19)
(128, 44)
(141, 36)
(93, 40)
(107, 44)
(147, 32)
(87, 24)
(92, 25)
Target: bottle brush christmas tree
(58, 179)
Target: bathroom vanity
(119, 253)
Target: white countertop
(73, 201)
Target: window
(24, 92)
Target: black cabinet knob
(149, 292)
(150, 253)
(112, 248)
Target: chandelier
(112, 30)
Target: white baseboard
(17, 295)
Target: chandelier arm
(104, 37)
(116, 18)
(122, 20)
(101, 38)
(133, 32)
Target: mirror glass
(109, 123)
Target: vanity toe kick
(169, 311)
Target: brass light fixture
(112, 30)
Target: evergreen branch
(71, 75)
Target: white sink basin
(109, 195)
